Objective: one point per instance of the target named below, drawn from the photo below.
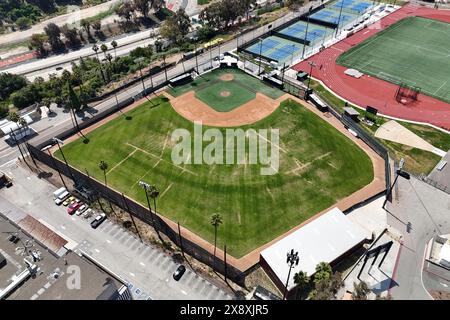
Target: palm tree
(15, 117)
(154, 193)
(301, 279)
(104, 48)
(114, 45)
(96, 48)
(323, 272)
(103, 166)
(216, 221)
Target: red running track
(370, 91)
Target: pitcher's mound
(227, 77)
(225, 93)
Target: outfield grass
(240, 78)
(255, 208)
(413, 51)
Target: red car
(73, 207)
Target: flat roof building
(34, 272)
(325, 239)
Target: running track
(370, 91)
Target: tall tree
(71, 35)
(104, 166)
(86, 24)
(294, 4)
(216, 221)
(323, 272)
(53, 33)
(360, 291)
(10, 83)
(301, 279)
(125, 11)
(176, 27)
(114, 45)
(37, 42)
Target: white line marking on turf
(128, 156)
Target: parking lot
(147, 269)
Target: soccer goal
(407, 94)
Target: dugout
(273, 81)
(317, 102)
(180, 80)
(351, 113)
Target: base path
(370, 91)
(195, 110)
(393, 131)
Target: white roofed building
(327, 238)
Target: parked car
(68, 201)
(98, 220)
(81, 209)
(73, 207)
(179, 272)
(88, 213)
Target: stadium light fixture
(291, 259)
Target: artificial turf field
(209, 88)
(318, 166)
(414, 51)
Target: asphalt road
(44, 67)
(427, 210)
(146, 268)
(70, 17)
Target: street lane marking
(142, 264)
(96, 250)
(443, 284)
(108, 241)
(132, 274)
(183, 292)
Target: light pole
(399, 172)
(312, 64)
(54, 164)
(139, 60)
(339, 19)
(306, 33)
(292, 259)
(54, 139)
(260, 54)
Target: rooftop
(69, 277)
(323, 240)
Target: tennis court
(413, 51)
(276, 48)
(352, 6)
(332, 16)
(315, 33)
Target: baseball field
(318, 166)
(413, 51)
